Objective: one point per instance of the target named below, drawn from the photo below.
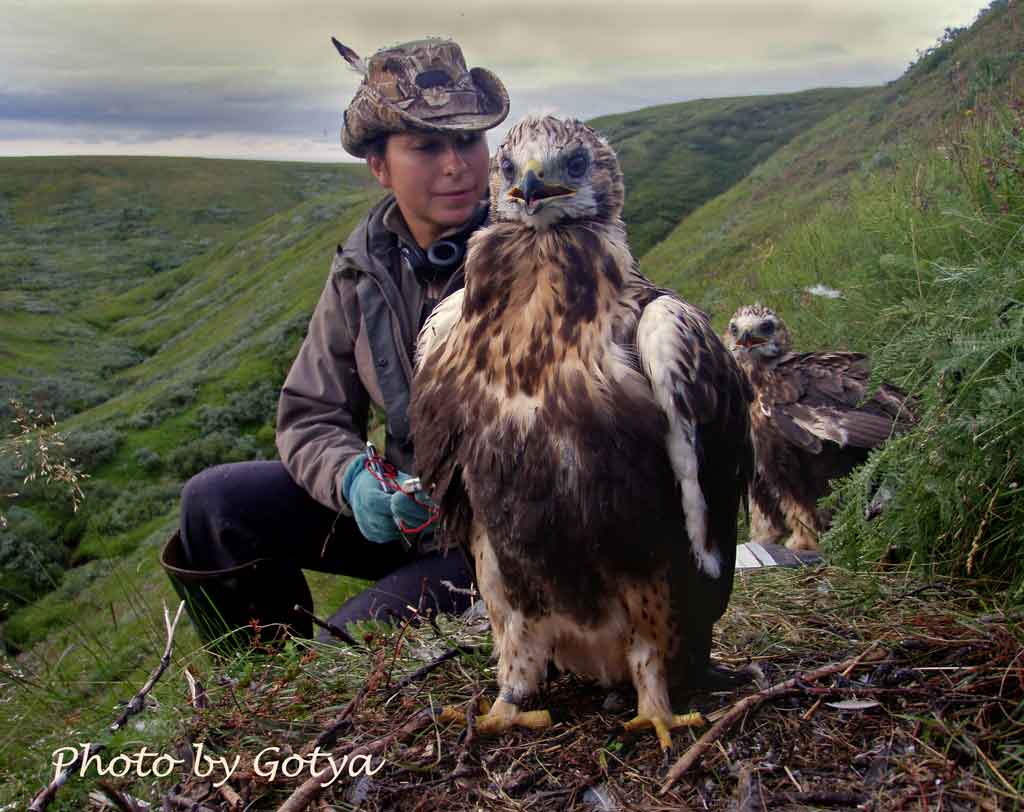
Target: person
(248, 529)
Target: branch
(43, 798)
(739, 710)
(138, 701)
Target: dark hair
(377, 145)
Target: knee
(204, 499)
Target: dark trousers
(236, 513)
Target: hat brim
(370, 115)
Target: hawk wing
(437, 434)
(706, 398)
(823, 396)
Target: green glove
(370, 503)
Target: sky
(260, 78)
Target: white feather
(662, 350)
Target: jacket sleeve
(323, 409)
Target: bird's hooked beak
(533, 191)
(747, 340)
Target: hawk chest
(567, 455)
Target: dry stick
(329, 734)
(738, 710)
(748, 791)
(138, 701)
(817, 703)
(43, 799)
(336, 631)
(311, 788)
(419, 673)
(182, 802)
(122, 800)
(234, 800)
(818, 798)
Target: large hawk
(813, 419)
(585, 434)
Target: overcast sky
(260, 78)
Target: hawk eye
(577, 165)
(732, 327)
(769, 327)
(508, 169)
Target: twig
(197, 694)
(234, 800)
(738, 710)
(748, 791)
(329, 735)
(818, 798)
(419, 673)
(122, 800)
(138, 701)
(336, 631)
(311, 788)
(817, 703)
(187, 803)
(43, 798)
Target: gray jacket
(359, 348)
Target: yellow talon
(499, 718)
(663, 727)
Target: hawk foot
(501, 717)
(663, 725)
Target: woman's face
(438, 179)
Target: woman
(247, 529)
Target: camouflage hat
(420, 86)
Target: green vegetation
(676, 157)
(154, 305)
(723, 245)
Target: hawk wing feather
(822, 396)
(705, 398)
(438, 439)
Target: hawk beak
(532, 189)
(748, 340)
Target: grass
(130, 307)
(940, 700)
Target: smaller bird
(813, 420)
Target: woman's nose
(454, 161)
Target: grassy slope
(678, 156)
(78, 231)
(715, 255)
(234, 333)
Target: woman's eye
(577, 165)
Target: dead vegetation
(917, 704)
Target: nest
(918, 704)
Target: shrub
(148, 460)
(30, 559)
(133, 507)
(212, 449)
(91, 448)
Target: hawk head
(756, 335)
(549, 171)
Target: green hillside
(154, 306)
(78, 231)
(714, 256)
(677, 157)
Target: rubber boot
(233, 608)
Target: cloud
(137, 69)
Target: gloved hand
(370, 503)
(411, 512)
